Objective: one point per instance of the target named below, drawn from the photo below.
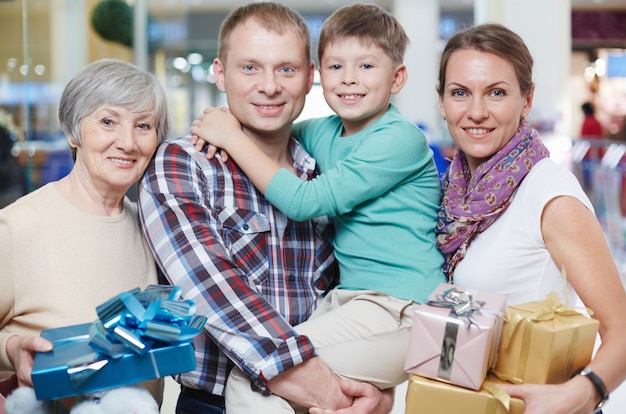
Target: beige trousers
(360, 335)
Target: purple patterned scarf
(471, 202)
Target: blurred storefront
(52, 39)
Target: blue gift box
(57, 374)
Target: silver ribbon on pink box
(455, 336)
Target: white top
(510, 257)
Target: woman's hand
(214, 126)
(21, 352)
(576, 396)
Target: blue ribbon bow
(137, 321)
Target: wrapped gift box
(435, 397)
(52, 375)
(544, 342)
(452, 346)
(138, 336)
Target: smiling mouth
(123, 162)
(478, 131)
(352, 97)
(268, 106)
(269, 110)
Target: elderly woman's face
(117, 146)
(482, 102)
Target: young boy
(379, 181)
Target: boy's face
(358, 80)
(266, 77)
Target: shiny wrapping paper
(451, 346)
(138, 336)
(426, 396)
(52, 378)
(544, 342)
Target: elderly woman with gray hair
(74, 243)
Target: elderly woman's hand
(21, 352)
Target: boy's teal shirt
(382, 188)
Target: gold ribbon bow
(550, 309)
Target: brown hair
(368, 23)
(271, 16)
(495, 39)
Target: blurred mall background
(579, 48)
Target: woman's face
(482, 102)
(117, 146)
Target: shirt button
(246, 227)
(292, 278)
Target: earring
(444, 118)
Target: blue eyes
(363, 66)
(498, 93)
(284, 69)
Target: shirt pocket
(247, 234)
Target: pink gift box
(447, 348)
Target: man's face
(266, 77)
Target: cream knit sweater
(58, 263)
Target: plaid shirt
(253, 272)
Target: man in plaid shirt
(252, 271)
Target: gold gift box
(426, 396)
(544, 342)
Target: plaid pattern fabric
(253, 272)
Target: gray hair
(116, 83)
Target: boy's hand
(214, 126)
(211, 149)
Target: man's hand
(367, 399)
(21, 352)
(310, 384)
